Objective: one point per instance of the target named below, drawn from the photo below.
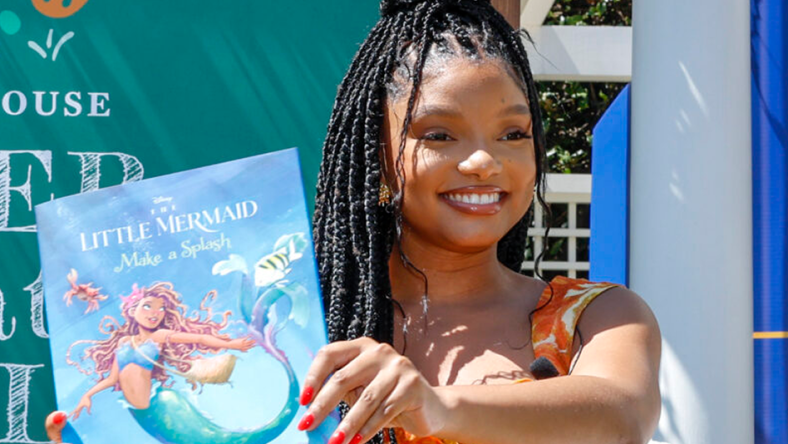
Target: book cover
(184, 308)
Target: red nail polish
(306, 395)
(338, 438)
(356, 439)
(59, 418)
(306, 421)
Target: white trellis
(572, 190)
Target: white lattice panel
(569, 196)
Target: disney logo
(161, 199)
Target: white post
(691, 210)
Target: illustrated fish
(274, 266)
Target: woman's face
(469, 161)
(150, 312)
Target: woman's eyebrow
(436, 111)
(519, 108)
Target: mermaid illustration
(156, 332)
(156, 340)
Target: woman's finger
(328, 360)
(54, 426)
(412, 405)
(352, 396)
(384, 415)
(357, 373)
(366, 406)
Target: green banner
(94, 93)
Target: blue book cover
(185, 308)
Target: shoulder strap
(554, 321)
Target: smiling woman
(430, 319)
(427, 310)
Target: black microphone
(542, 368)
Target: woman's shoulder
(618, 306)
(568, 305)
(599, 302)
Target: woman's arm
(110, 381)
(209, 341)
(612, 395)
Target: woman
(434, 155)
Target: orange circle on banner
(55, 8)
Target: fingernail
(356, 439)
(338, 438)
(306, 395)
(59, 418)
(306, 421)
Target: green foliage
(591, 13)
(571, 109)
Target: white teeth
(473, 198)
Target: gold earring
(384, 195)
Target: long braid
(354, 235)
(422, 16)
(359, 172)
(378, 308)
(343, 283)
(325, 179)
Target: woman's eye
(146, 306)
(516, 135)
(440, 137)
(161, 308)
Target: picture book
(184, 309)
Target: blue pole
(769, 29)
(609, 244)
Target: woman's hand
(54, 425)
(383, 387)
(243, 344)
(84, 403)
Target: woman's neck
(143, 335)
(452, 277)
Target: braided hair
(354, 235)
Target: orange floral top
(552, 332)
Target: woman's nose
(480, 164)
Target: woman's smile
(476, 200)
